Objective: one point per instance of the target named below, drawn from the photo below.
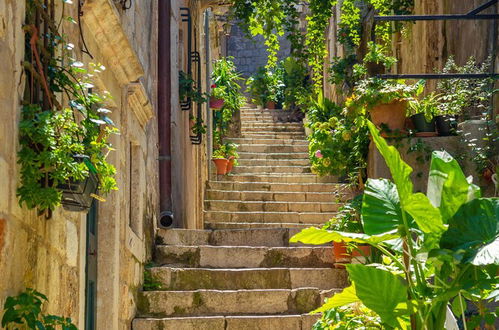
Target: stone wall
(50, 255)
(251, 53)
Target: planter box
(76, 195)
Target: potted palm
(422, 113)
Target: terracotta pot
(221, 164)
(270, 105)
(216, 103)
(341, 255)
(391, 114)
(230, 165)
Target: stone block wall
(251, 53)
(50, 255)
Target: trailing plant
(24, 311)
(373, 91)
(197, 125)
(428, 106)
(51, 134)
(188, 89)
(225, 86)
(439, 250)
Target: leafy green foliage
(354, 316)
(51, 135)
(226, 86)
(151, 282)
(428, 265)
(227, 150)
(264, 86)
(25, 310)
(348, 217)
(188, 89)
(428, 106)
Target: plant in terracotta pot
(221, 162)
(422, 113)
(384, 100)
(231, 154)
(348, 220)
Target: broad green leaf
(426, 216)
(458, 306)
(475, 229)
(448, 187)
(379, 290)
(380, 207)
(318, 236)
(346, 297)
(400, 171)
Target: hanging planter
(216, 103)
(77, 196)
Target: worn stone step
(229, 302)
(253, 322)
(267, 216)
(255, 123)
(227, 237)
(281, 148)
(248, 279)
(207, 256)
(270, 206)
(275, 196)
(273, 135)
(282, 178)
(341, 190)
(255, 225)
(272, 129)
(271, 169)
(268, 141)
(274, 162)
(273, 155)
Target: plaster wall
(49, 255)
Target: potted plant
(218, 157)
(231, 155)
(216, 97)
(384, 100)
(422, 113)
(188, 90)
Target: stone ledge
(104, 24)
(139, 103)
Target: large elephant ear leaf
(448, 187)
(319, 236)
(380, 207)
(381, 291)
(475, 230)
(346, 297)
(399, 169)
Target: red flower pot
(221, 164)
(360, 253)
(216, 103)
(341, 255)
(391, 114)
(270, 105)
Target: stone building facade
(52, 255)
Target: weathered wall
(49, 255)
(251, 53)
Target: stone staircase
(241, 272)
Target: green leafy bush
(25, 312)
(428, 106)
(265, 86)
(355, 316)
(439, 250)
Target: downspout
(164, 113)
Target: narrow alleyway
(241, 272)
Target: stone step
(252, 225)
(271, 169)
(272, 129)
(268, 141)
(274, 135)
(281, 178)
(248, 279)
(229, 302)
(341, 190)
(275, 196)
(274, 162)
(263, 217)
(256, 123)
(207, 256)
(253, 322)
(270, 206)
(273, 155)
(267, 148)
(227, 237)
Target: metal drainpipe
(164, 114)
